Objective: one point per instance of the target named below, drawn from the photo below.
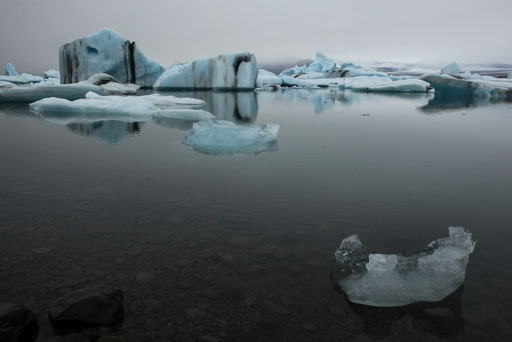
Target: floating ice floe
(229, 71)
(388, 280)
(267, 79)
(451, 69)
(102, 84)
(225, 137)
(113, 106)
(471, 85)
(107, 52)
(411, 85)
(20, 79)
(362, 83)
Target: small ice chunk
(225, 137)
(451, 69)
(509, 76)
(394, 279)
(10, 70)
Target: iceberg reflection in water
(238, 107)
(442, 319)
(110, 131)
(388, 280)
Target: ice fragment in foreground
(451, 69)
(225, 137)
(394, 279)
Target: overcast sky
(173, 31)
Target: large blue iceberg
(107, 52)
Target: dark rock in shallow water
(90, 310)
(107, 52)
(17, 323)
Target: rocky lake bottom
(240, 247)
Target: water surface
(242, 245)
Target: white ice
(388, 280)
(225, 137)
(409, 85)
(115, 105)
(228, 71)
(21, 79)
(267, 79)
(451, 69)
(102, 84)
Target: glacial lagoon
(240, 246)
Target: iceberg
(225, 137)
(21, 79)
(107, 52)
(471, 85)
(267, 79)
(230, 71)
(5, 85)
(52, 73)
(350, 69)
(390, 280)
(451, 69)
(321, 64)
(102, 84)
(410, 85)
(116, 105)
(10, 70)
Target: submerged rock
(17, 323)
(107, 52)
(394, 279)
(230, 71)
(88, 310)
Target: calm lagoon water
(241, 246)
